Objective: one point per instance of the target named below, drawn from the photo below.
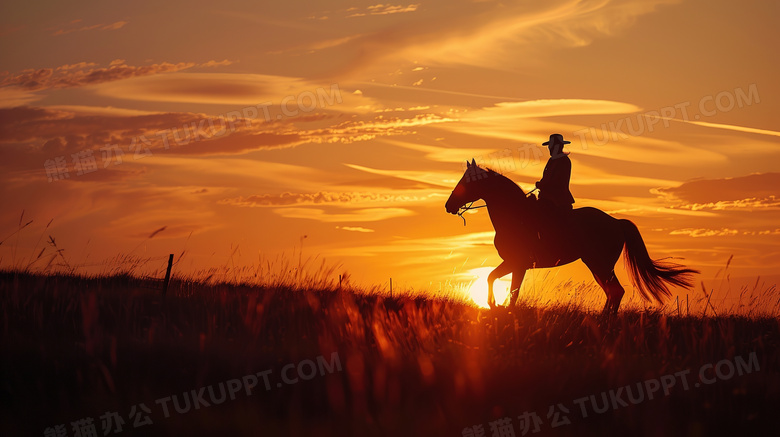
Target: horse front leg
(499, 272)
(517, 281)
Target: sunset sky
(253, 124)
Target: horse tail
(649, 276)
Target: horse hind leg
(614, 291)
(604, 287)
(615, 294)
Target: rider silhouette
(554, 186)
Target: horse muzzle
(451, 208)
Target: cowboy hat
(556, 139)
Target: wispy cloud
(439, 179)
(698, 233)
(722, 205)
(381, 9)
(448, 154)
(34, 134)
(355, 229)
(732, 127)
(234, 89)
(355, 12)
(31, 135)
(563, 23)
(745, 192)
(324, 197)
(362, 130)
(551, 108)
(13, 97)
(525, 121)
(505, 34)
(352, 216)
(87, 73)
(111, 26)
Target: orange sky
(253, 124)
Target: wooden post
(168, 274)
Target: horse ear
(468, 164)
(473, 162)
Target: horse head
(468, 189)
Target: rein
(469, 207)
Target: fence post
(167, 274)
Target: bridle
(462, 210)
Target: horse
(533, 234)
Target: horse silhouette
(531, 235)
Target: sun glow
(478, 289)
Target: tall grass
(77, 347)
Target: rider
(554, 186)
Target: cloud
(99, 110)
(112, 26)
(697, 233)
(562, 23)
(324, 197)
(520, 121)
(84, 74)
(32, 135)
(380, 9)
(355, 12)
(280, 99)
(531, 122)
(448, 154)
(236, 171)
(754, 191)
(29, 135)
(237, 143)
(750, 203)
(362, 130)
(213, 63)
(494, 34)
(233, 89)
(428, 178)
(12, 97)
(354, 229)
(732, 127)
(28, 124)
(550, 108)
(353, 216)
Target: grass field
(287, 359)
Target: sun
(478, 289)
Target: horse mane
(492, 173)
